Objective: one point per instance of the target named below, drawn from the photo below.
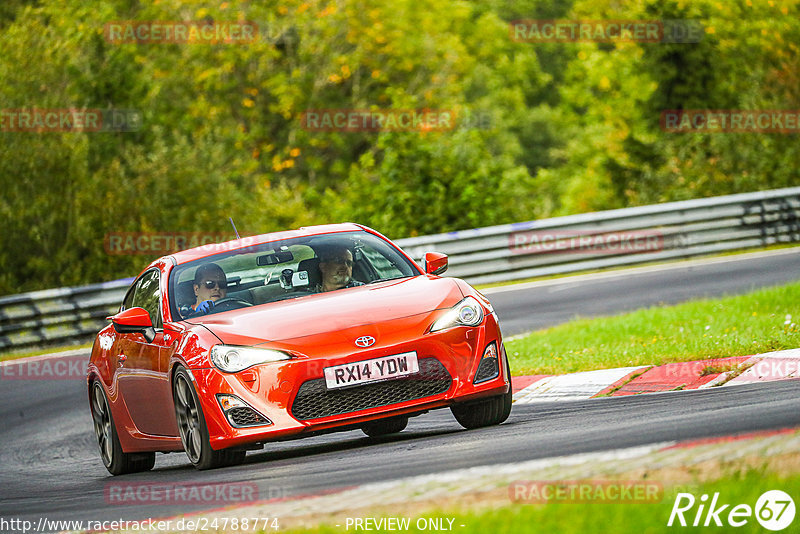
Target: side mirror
(435, 263)
(134, 321)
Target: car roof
(185, 256)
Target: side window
(384, 267)
(147, 295)
(128, 302)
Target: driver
(336, 268)
(210, 285)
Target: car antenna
(234, 228)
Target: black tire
(116, 461)
(488, 412)
(193, 429)
(382, 427)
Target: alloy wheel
(102, 424)
(188, 419)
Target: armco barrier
(485, 255)
(681, 229)
(58, 315)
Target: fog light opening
(489, 366)
(239, 413)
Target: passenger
(210, 285)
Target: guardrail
(486, 255)
(58, 315)
(616, 238)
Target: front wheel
(382, 427)
(116, 461)
(193, 430)
(488, 412)
(492, 411)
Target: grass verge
(741, 488)
(582, 518)
(40, 352)
(760, 321)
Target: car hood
(333, 312)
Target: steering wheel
(293, 294)
(230, 303)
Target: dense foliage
(564, 127)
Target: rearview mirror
(435, 262)
(134, 321)
(275, 258)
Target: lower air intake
(247, 417)
(314, 400)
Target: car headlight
(232, 359)
(468, 312)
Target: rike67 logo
(774, 510)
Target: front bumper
(292, 394)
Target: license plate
(365, 371)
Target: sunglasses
(212, 284)
(339, 261)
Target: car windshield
(281, 270)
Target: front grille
(487, 370)
(315, 400)
(247, 417)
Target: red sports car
(219, 349)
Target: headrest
(312, 266)
(184, 294)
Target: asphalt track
(50, 467)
